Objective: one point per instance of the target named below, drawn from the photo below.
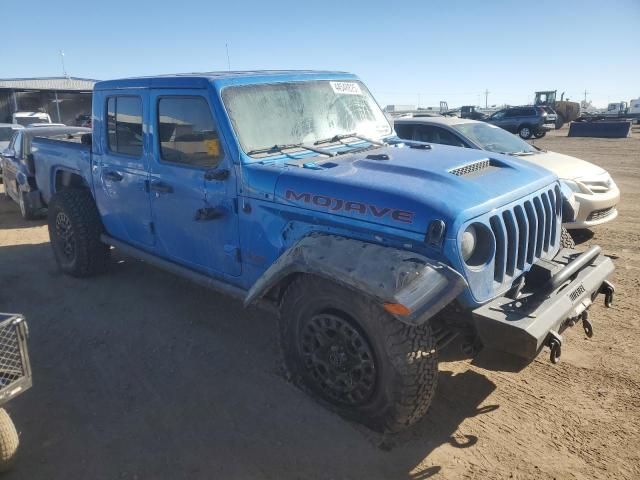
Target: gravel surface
(141, 375)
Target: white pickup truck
(27, 118)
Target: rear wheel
(353, 355)
(525, 132)
(539, 133)
(74, 229)
(559, 121)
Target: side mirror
(9, 153)
(216, 174)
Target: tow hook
(607, 289)
(555, 345)
(586, 324)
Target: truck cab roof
(202, 80)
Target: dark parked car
(6, 132)
(526, 121)
(83, 120)
(472, 113)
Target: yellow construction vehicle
(566, 111)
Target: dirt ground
(141, 375)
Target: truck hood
(399, 186)
(564, 166)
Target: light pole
(64, 70)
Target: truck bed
(50, 154)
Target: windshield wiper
(523, 153)
(290, 146)
(337, 138)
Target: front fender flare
(387, 274)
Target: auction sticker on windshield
(346, 88)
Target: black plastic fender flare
(388, 275)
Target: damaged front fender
(388, 275)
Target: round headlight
(468, 244)
(476, 245)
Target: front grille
(471, 168)
(526, 232)
(600, 214)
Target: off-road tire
(559, 121)
(9, 441)
(87, 255)
(566, 240)
(405, 357)
(525, 132)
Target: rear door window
(404, 130)
(124, 125)
(433, 134)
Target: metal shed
(63, 98)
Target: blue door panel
(179, 192)
(124, 203)
(121, 181)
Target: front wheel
(348, 351)
(74, 229)
(9, 441)
(525, 132)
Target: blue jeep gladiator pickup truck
(291, 190)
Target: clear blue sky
(405, 51)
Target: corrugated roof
(48, 83)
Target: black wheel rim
(338, 358)
(64, 233)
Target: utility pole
(64, 70)
(585, 96)
(486, 98)
(226, 46)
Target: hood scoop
(476, 169)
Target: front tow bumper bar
(546, 305)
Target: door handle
(113, 176)
(216, 174)
(161, 187)
(209, 213)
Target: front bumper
(545, 307)
(595, 209)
